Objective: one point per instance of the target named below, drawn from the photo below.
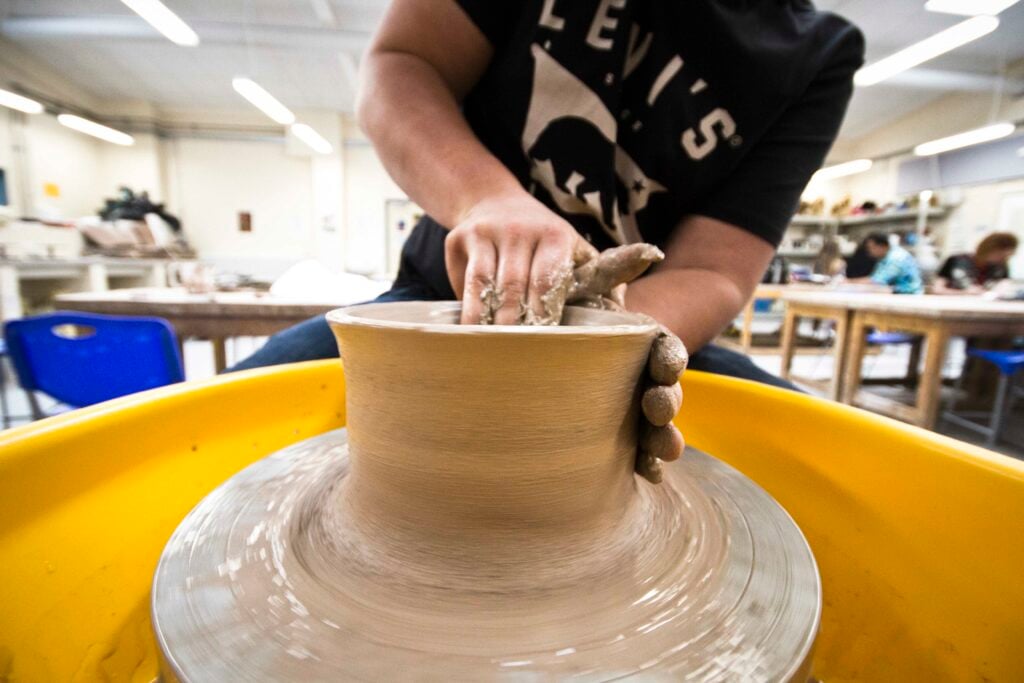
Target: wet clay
(591, 284)
(491, 531)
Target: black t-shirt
(961, 271)
(624, 116)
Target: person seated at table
(860, 264)
(974, 273)
(830, 260)
(896, 266)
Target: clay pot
(463, 434)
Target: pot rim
(354, 316)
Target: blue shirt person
(896, 266)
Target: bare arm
(427, 55)
(420, 65)
(710, 271)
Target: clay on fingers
(649, 467)
(492, 298)
(665, 442)
(613, 267)
(660, 403)
(668, 359)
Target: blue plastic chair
(1009, 363)
(83, 358)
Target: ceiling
(891, 25)
(306, 51)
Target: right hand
(511, 251)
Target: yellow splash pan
(918, 537)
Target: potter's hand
(659, 438)
(510, 259)
(601, 283)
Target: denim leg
(720, 361)
(312, 339)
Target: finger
(649, 467)
(668, 358)
(456, 257)
(550, 280)
(661, 403)
(480, 295)
(583, 251)
(613, 267)
(514, 259)
(665, 443)
(618, 295)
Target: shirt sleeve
(762, 194)
(494, 18)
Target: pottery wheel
(264, 581)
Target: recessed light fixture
(969, 8)
(965, 139)
(96, 130)
(929, 48)
(262, 100)
(164, 20)
(309, 136)
(16, 101)
(841, 170)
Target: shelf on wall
(907, 215)
(901, 216)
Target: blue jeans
(313, 340)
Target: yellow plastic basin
(919, 538)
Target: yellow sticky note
(51, 190)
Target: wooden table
(216, 316)
(936, 318)
(775, 292)
(821, 306)
(765, 291)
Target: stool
(1008, 363)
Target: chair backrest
(83, 358)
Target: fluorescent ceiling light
(165, 21)
(262, 100)
(95, 129)
(840, 170)
(16, 101)
(315, 141)
(969, 8)
(971, 137)
(929, 48)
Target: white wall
(213, 180)
(136, 167)
(367, 189)
(65, 159)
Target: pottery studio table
(936, 318)
(773, 292)
(216, 316)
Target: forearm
(413, 118)
(695, 304)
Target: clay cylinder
(463, 431)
